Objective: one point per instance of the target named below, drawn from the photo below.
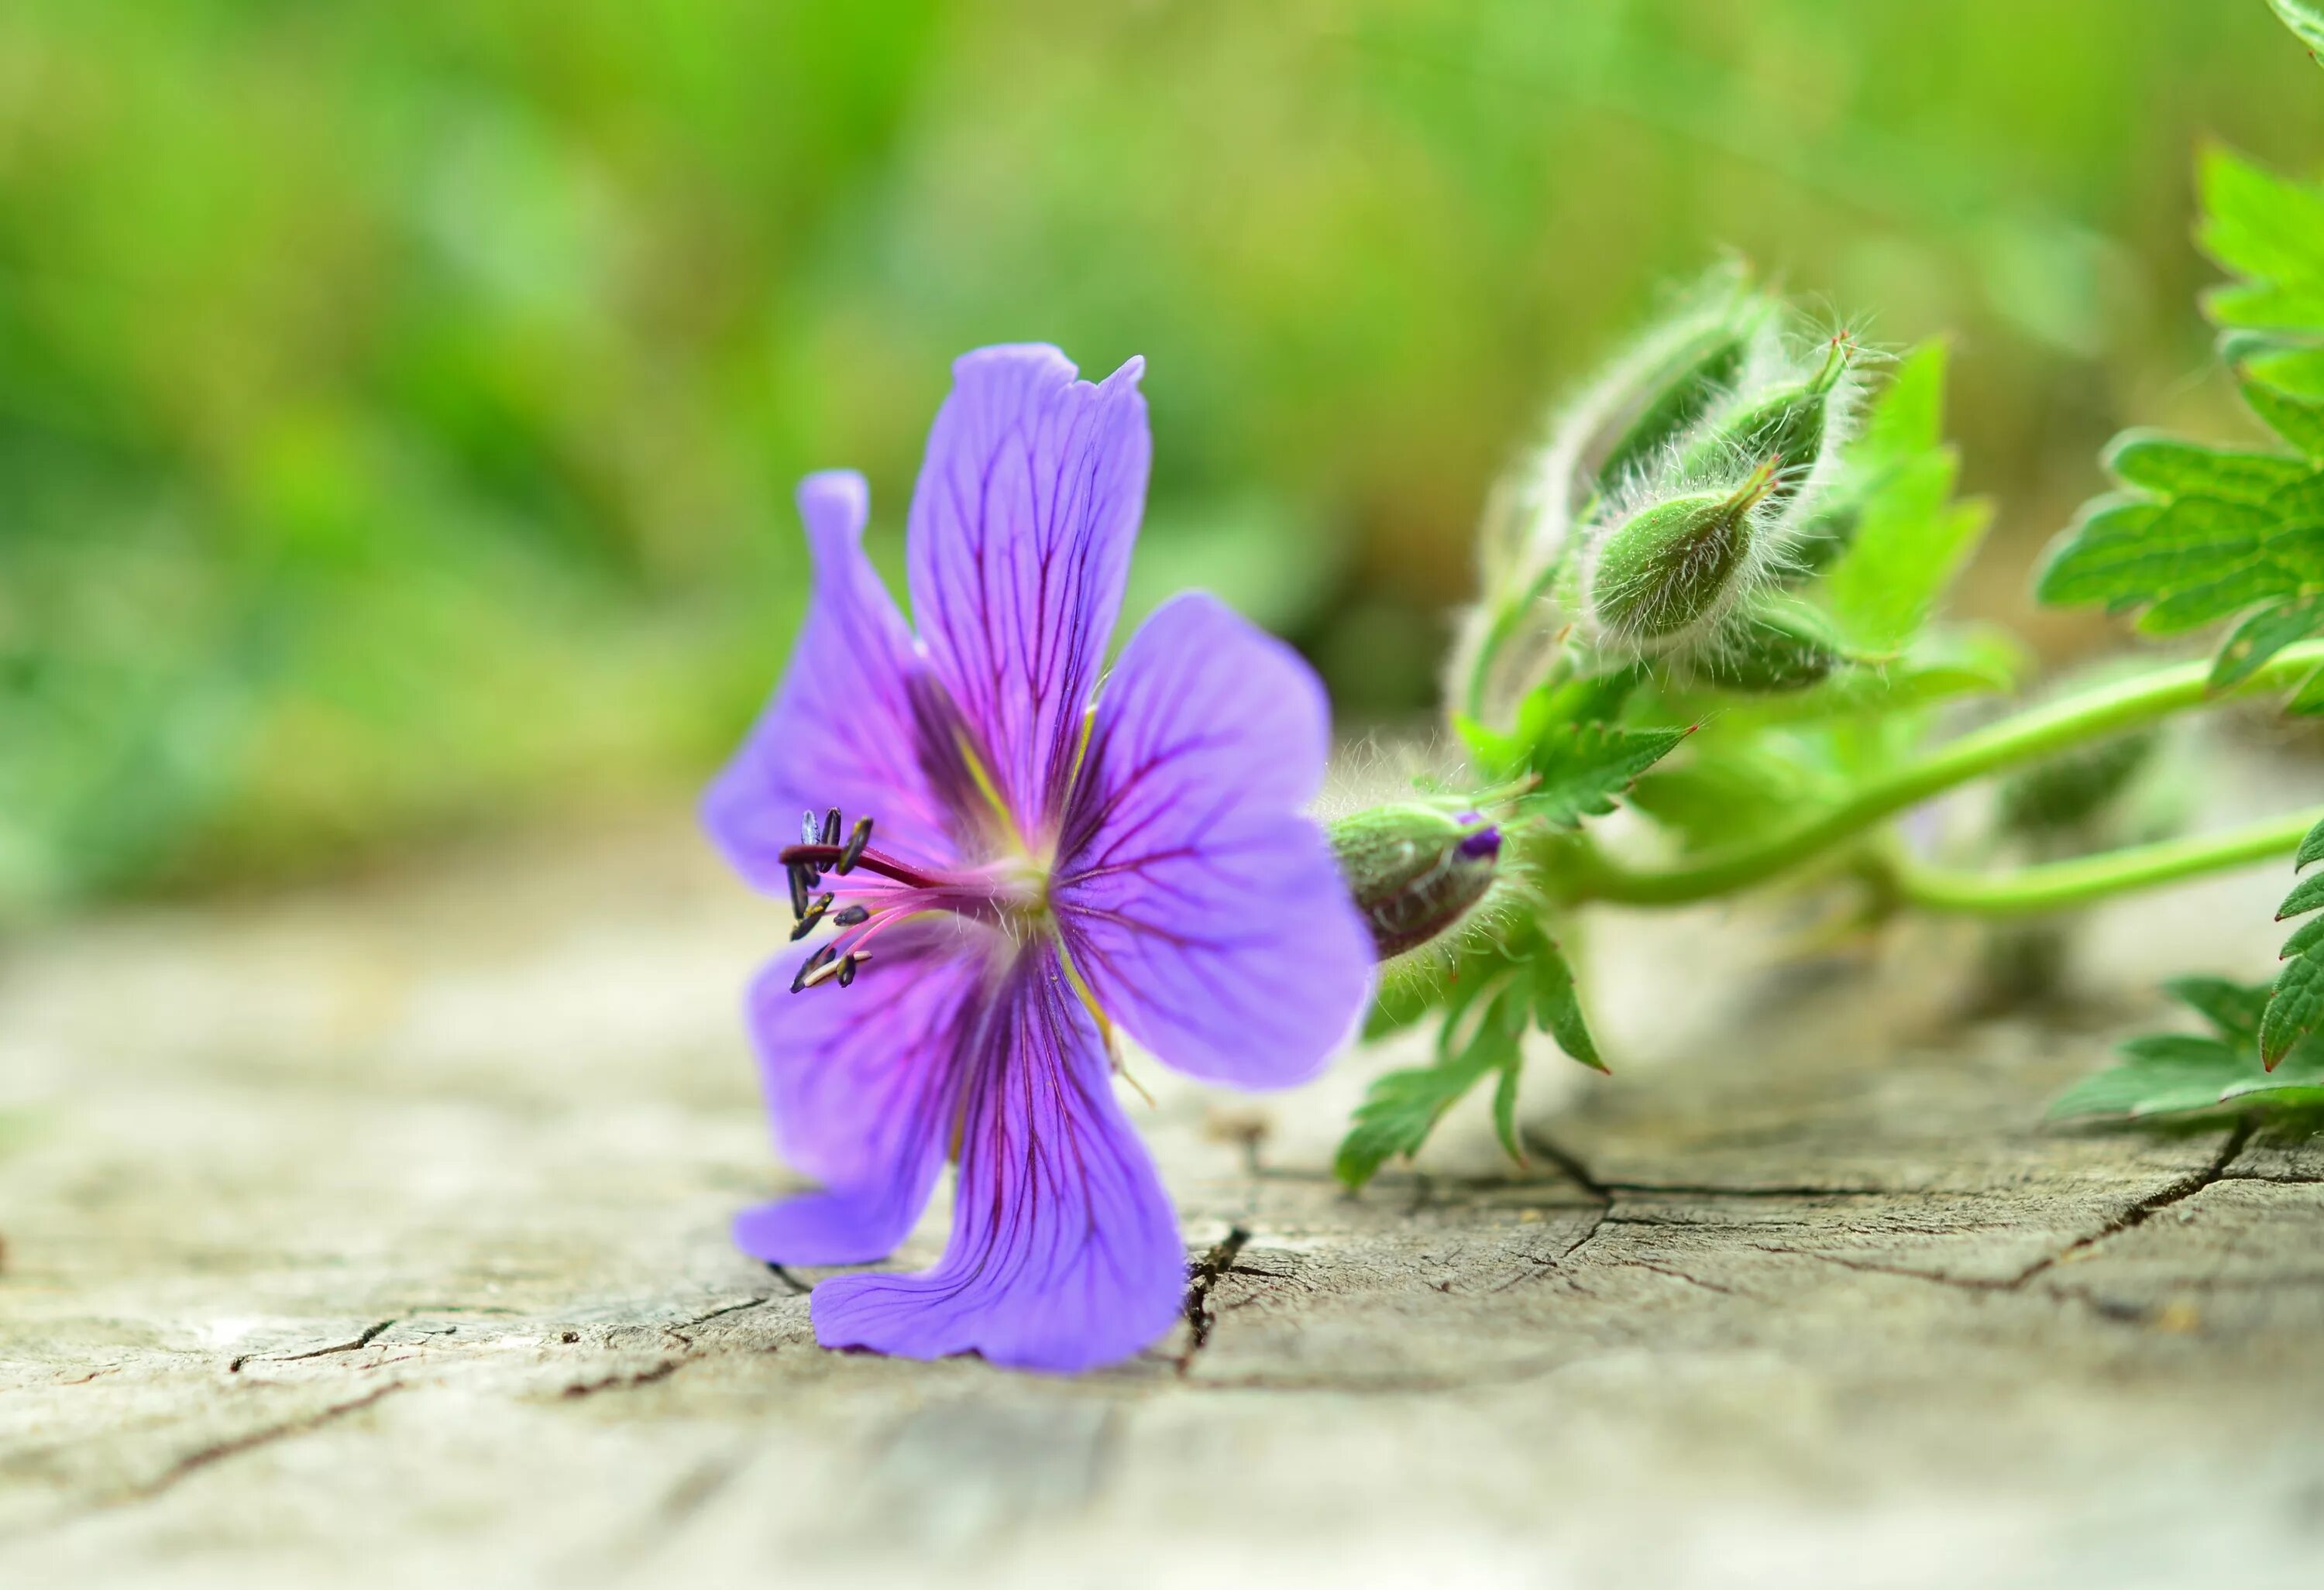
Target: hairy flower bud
(1674, 568)
(1414, 870)
(1773, 652)
(1700, 370)
(1784, 426)
(2072, 787)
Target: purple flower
(1018, 862)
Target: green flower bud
(2069, 789)
(1773, 652)
(1702, 369)
(1414, 870)
(1784, 426)
(1674, 566)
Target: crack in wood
(1200, 1279)
(622, 1383)
(218, 1451)
(369, 1335)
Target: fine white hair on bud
(1700, 467)
(1608, 440)
(1669, 570)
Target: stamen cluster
(819, 847)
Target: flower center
(863, 891)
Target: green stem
(2031, 890)
(2029, 736)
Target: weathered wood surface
(378, 1236)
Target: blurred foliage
(399, 401)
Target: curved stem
(2028, 737)
(2031, 890)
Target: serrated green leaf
(2305, 20)
(2306, 896)
(1597, 698)
(2266, 307)
(1397, 1113)
(1582, 767)
(2298, 420)
(2305, 938)
(2258, 225)
(2264, 634)
(2293, 368)
(2170, 467)
(1400, 1108)
(2230, 593)
(2232, 1007)
(2125, 557)
(2294, 1011)
(2311, 848)
(2187, 1074)
(1557, 1005)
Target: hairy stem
(2028, 737)
(2031, 890)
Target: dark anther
(848, 916)
(809, 828)
(831, 826)
(810, 967)
(847, 971)
(856, 841)
(816, 908)
(799, 877)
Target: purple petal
(1064, 1253)
(1021, 528)
(843, 727)
(860, 1084)
(1204, 911)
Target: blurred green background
(400, 401)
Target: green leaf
(2304, 939)
(2311, 848)
(1397, 1113)
(2157, 1078)
(2232, 1008)
(2305, 20)
(2168, 467)
(2257, 225)
(2307, 700)
(1911, 540)
(2127, 559)
(2264, 634)
(2308, 897)
(1490, 997)
(1582, 767)
(1505, 1112)
(1557, 1005)
(2298, 420)
(2294, 1011)
(2198, 605)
